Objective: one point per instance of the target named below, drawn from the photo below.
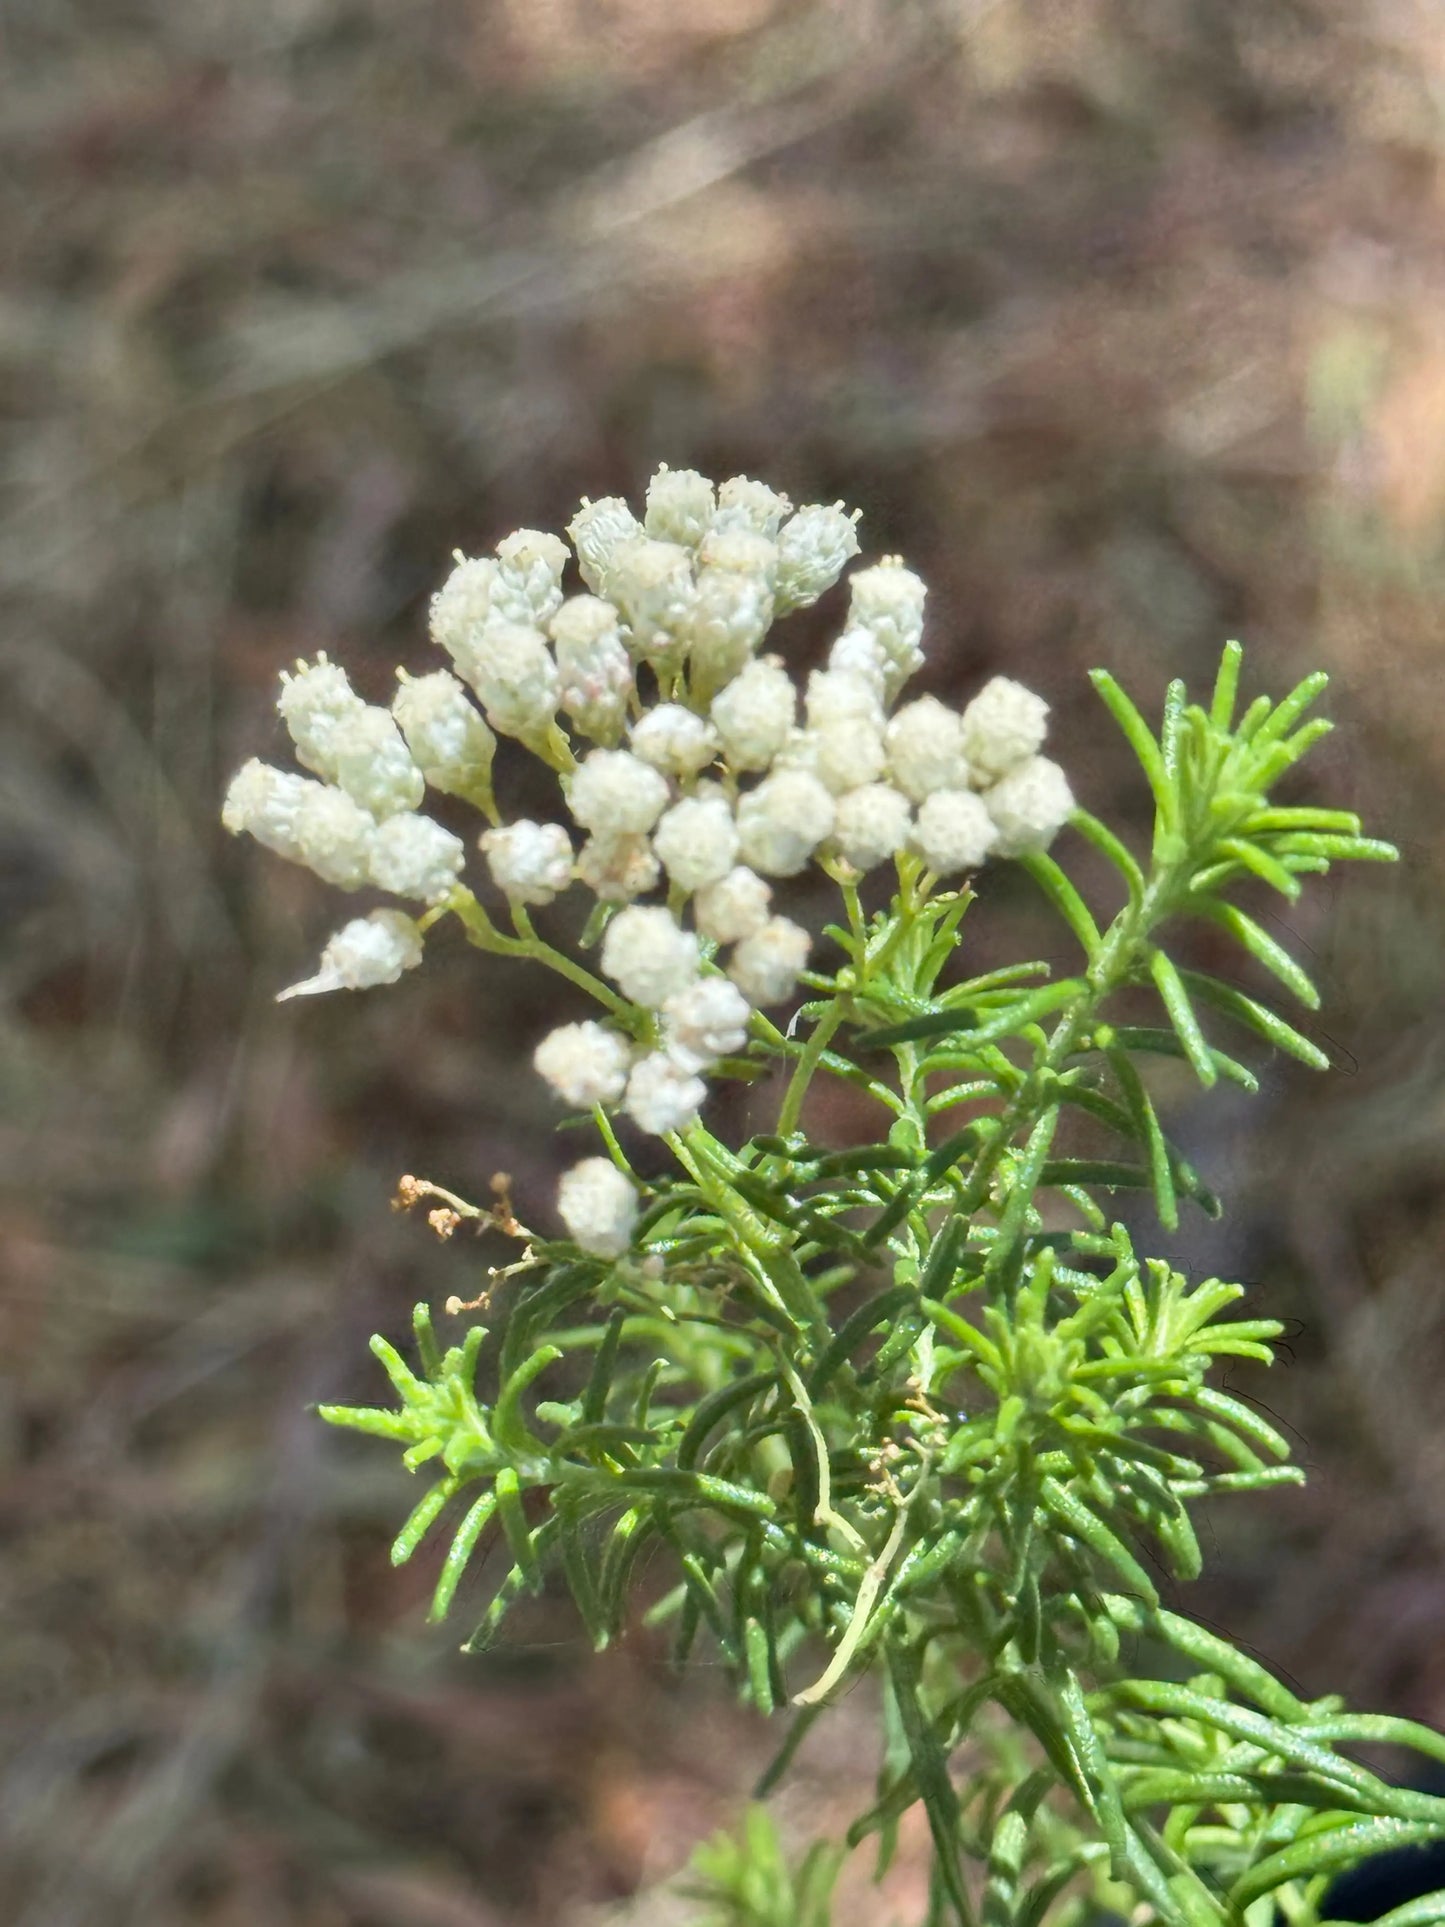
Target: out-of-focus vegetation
(1120, 317)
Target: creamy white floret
(954, 831)
(697, 841)
(680, 506)
(450, 743)
(530, 863)
(616, 794)
(814, 547)
(707, 1021)
(1003, 726)
(675, 740)
(872, 824)
(662, 1094)
(755, 713)
(314, 700)
(598, 1205)
(648, 955)
(1029, 807)
(411, 856)
(364, 953)
(782, 822)
(585, 1064)
(766, 966)
(734, 907)
(925, 748)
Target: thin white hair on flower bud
(1029, 807)
(364, 953)
(734, 907)
(697, 841)
(598, 1205)
(450, 743)
(412, 856)
(1003, 726)
(662, 1094)
(782, 822)
(373, 764)
(754, 713)
(530, 863)
(707, 1021)
(680, 506)
(648, 955)
(873, 824)
(597, 531)
(675, 740)
(615, 793)
(766, 966)
(954, 831)
(584, 1064)
(618, 868)
(814, 548)
(925, 748)
(315, 698)
(334, 835)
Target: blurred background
(1122, 319)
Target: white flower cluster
(687, 765)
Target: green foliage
(746, 1881)
(919, 1402)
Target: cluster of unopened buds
(690, 773)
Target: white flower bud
(680, 506)
(745, 504)
(373, 764)
(266, 803)
(953, 832)
(731, 615)
(511, 669)
(462, 604)
(594, 667)
(529, 862)
(648, 955)
(754, 714)
(783, 821)
(1029, 807)
(618, 868)
(844, 696)
(315, 698)
(887, 600)
(857, 652)
(366, 952)
(662, 1095)
(1003, 726)
(845, 753)
(651, 583)
(925, 748)
(598, 1205)
(733, 908)
(529, 577)
(414, 857)
(707, 1021)
(698, 841)
(585, 1064)
(451, 744)
(873, 824)
(737, 550)
(334, 836)
(813, 550)
(616, 793)
(674, 740)
(765, 966)
(598, 530)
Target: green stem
(806, 1067)
(482, 932)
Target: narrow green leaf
(1146, 1121)
(930, 1770)
(1166, 1043)
(1004, 1021)
(1318, 1854)
(1287, 712)
(1081, 1523)
(1261, 863)
(423, 1516)
(1256, 1017)
(711, 1410)
(1175, 998)
(1108, 845)
(514, 1524)
(1140, 739)
(1264, 949)
(1226, 686)
(599, 1381)
(368, 1418)
(1066, 900)
(508, 1424)
(464, 1543)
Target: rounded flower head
(648, 955)
(585, 1064)
(755, 713)
(598, 530)
(462, 604)
(364, 953)
(373, 764)
(651, 583)
(738, 550)
(511, 668)
(618, 868)
(530, 862)
(766, 966)
(680, 506)
(707, 1021)
(1029, 807)
(857, 653)
(266, 803)
(662, 1095)
(697, 841)
(334, 837)
(954, 831)
(783, 821)
(733, 908)
(594, 667)
(598, 1205)
(1003, 726)
(925, 748)
(844, 696)
(745, 504)
(529, 576)
(813, 550)
(872, 825)
(731, 615)
(887, 600)
(844, 754)
(316, 697)
(616, 793)
(674, 740)
(414, 857)
(451, 745)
